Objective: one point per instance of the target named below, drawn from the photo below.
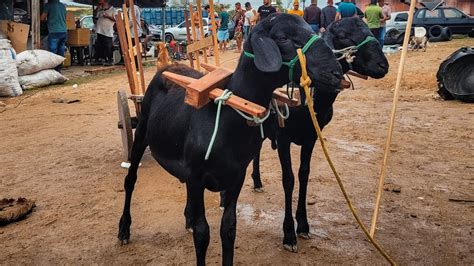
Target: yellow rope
(305, 81)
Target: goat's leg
(188, 216)
(302, 228)
(195, 193)
(138, 148)
(257, 182)
(289, 240)
(229, 221)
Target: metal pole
(163, 22)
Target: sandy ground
(67, 157)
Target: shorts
(223, 35)
(238, 35)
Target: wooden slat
(201, 28)
(139, 50)
(181, 80)
(133, 69)
(197, 93)
(214, 33)
(199, 45)
(282, 97)
(101, 70)
(240, 103)
(193, 30)
(124, 47)
(188, 38)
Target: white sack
(9, 85)
(32, 61)
(40, 79)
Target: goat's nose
(383, 65)
(337, 74)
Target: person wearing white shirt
(250, 16)
(105, 31)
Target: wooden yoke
(279, 96)
(201, 91)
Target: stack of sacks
(36, 69)
(9, 85)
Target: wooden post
(401, 67)
(193, 30)
(130, 51)
(201, 28)
(138, 47)
(214, 33)
(188, 37)
(35, 24)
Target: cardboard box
(78, 37)
(70, 21)
(17, 33)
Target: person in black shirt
(265, 10)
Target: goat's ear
(328, 36)
(267, 54)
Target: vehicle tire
(435, 31)
(400, 38)
(471, 34)
(169, 37)
(446, 34)
(391, 37)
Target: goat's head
(275, 41)
(369, 59)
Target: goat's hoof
(258, 190)
(222, 208)
(291, 248)
(304, 235)
(189, 229)
(123, 242)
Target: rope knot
(305, 81)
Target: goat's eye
(282, 39)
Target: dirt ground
(67, 157)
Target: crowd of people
(243, 20)
(375, 16)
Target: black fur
(299, 129)
(178, 135)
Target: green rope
(364, 42)
(226, 94)
(291, 64)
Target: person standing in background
(105, 31)
(239, 19)
(136, 10)
(54, 13)
(296, 9)
(328, 15)
(223, 32)
(387, 14)
(312, 15)
(265, 10)
(373, 16)
(250, 16)
(346, 9)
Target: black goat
(178, 135)
(369, 60)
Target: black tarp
(118, 3)
(6, 10)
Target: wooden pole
(35, 24)
(214, 33)
(130, 51)
(137, 47)
(193, 30)
(201, 28)
(188, 37)
(401, 67)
